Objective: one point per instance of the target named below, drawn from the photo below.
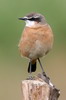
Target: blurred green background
(12, 66)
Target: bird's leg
(30, 69)
(41, 67)
(30, 76)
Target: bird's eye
(35, 19)
(32, 19)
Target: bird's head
(34, 19)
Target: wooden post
(39, 88)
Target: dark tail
(33, 67)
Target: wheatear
(36, 40)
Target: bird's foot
(44, 74)
(30, 78)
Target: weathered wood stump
(39, 88)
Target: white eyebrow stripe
(28, 17)
(25, 17)
(36, 17)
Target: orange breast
(27, 44)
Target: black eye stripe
(34, 19)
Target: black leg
(41, 67)
(30, 73)
(30, 68)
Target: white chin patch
(30, 23)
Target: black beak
(22, 18)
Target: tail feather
(33, 67)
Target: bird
(36, 39)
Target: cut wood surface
(39, 88)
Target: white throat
(30, 23)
